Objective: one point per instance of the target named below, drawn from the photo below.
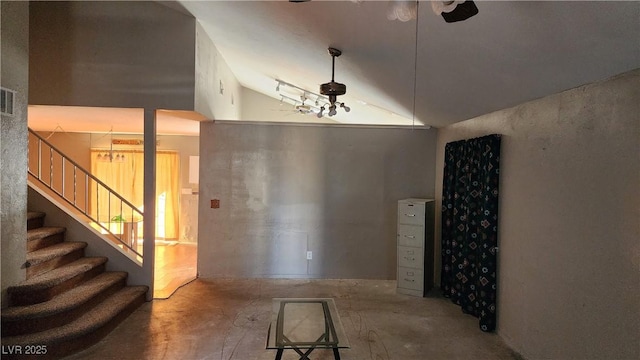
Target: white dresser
(415, 246)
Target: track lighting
(322, 102)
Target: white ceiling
(511, 52)
(104, 120)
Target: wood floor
(175, 265)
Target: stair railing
(57, 172)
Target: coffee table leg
(279, 354)
(336, 354)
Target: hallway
(175, 265)
(223, 319)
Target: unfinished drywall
(13, 143)
(569, 285)
(217, 91)
(286, 189)
(103, 53)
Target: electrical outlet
(309, 255)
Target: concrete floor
(228, 320)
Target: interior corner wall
(14, 32)
(137, 54)
(218, 94)
(568, 279)
(288, 189)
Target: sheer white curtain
(127, 179)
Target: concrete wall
(569, 285)
(217, 91)
(285, 190)
(103, 53)
(78, 145)
(14, 34)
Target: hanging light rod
(305, 92)
(322, 102)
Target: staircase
(68, 301)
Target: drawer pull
(410, 273)
(410, 215)
(410, 259)
(405, 279)
(410, 236)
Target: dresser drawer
(410, 278)
(409, 213)
(410, 257)
(410, 235)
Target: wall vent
(7, 101)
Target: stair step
(43, 237)
(87, 329)
(35, 219)
(45, 286)
(51, 257)
(62, 309)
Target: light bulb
(320, 112)
(402, 10)
(345, 107)
(332, 110)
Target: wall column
(13, 144)
(149, 232)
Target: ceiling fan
(333, 89)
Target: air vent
(7, 102)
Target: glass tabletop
(305, 323)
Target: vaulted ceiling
(509, 53)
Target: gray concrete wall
(569, 285)
(14, 75)
(285, 190)
(103, 53)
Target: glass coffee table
(305, 324)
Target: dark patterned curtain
(470, 226)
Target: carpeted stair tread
(86, 324)
(43, 232)
(57, 276)
(35, 219)
(51, 252)
(34, 215)
(65, 301)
